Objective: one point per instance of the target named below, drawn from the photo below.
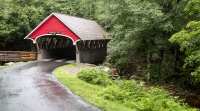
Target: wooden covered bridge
(68, 37)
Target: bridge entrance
(58, 47)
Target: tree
(188, 39)
(19, 18)
(127, 21)
(141, 29)
(79, 8)
(174, 18)
(4, 27)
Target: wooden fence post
(5, 56)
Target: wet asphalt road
(32, 87)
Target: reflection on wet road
(32, 87)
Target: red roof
(72, 27)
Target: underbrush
(94, 76)
(118, 95)
(138, 97)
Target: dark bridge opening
(54, 46)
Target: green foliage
(188, 41)
(188, 38)
(193, 6)
(139, 98)
(87, 91)
(122, 95)
(18, 19)
(142, 27)
(94, 76)
(131, 29)
(74, 8)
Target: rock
(90, 64)
(9, 63)
(106, 69)
(71, 61)
(112, 71)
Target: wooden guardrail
(17, 56)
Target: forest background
(156, 41)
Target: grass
(122, 96)
(88, 92)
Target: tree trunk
(90, 9)
(174, 64)
(163, 68)
(148, 68)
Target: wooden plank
(92, 55)
(5, 57)
(17, 56)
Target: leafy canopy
(188, 39)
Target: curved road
(32, 87)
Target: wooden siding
(92, 55)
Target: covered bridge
(64, 36)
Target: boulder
(9, 63)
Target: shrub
(94, 76)
(138, 97)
